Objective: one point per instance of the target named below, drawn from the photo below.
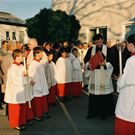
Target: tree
(53, 26)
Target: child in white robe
(15, 92)
(51, 78)
(125, 108)
(64, 75)
(76, 75)
(28, 88)
(36, 71)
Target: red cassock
(45, 104)
(29, 112)
(17, 115)
(123, 127)
(39, 106)
(76, 88)
(64, 89)
(51, 96)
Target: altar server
(125, 108)
(76, 75)
(51, 78)
(64, 75)
(36, 71)
(15, 92)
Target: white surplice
(28, 90)
(50, 72)
(64, 70)
(77, 72)
(100, 82)
(15, 86)
(36, 72)
(125, 108)
(53, 73)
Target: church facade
(112, 18)
(12, 28)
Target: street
(67, 119)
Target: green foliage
(53, 26)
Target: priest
(100, 83)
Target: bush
(53, 26)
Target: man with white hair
(31, 44)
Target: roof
(7, 18)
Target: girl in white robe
(125, 108)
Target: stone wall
(113, 14)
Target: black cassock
(101, 105)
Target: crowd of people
(31, 76)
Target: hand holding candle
(26, 74)
(25, 68)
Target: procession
(33, 76)
(67, 68)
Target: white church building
(114, 19)
(12, 28)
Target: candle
(25, 70)
(120, 60)
(24, 63)
(120, 56)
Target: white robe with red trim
(30, 58)
(50, 72)
(64, 70)
(15, 86)
(125, 108)
(77, 72)
(36, 72)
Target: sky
(23, 8)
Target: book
(96, 60)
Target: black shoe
(46, 115)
